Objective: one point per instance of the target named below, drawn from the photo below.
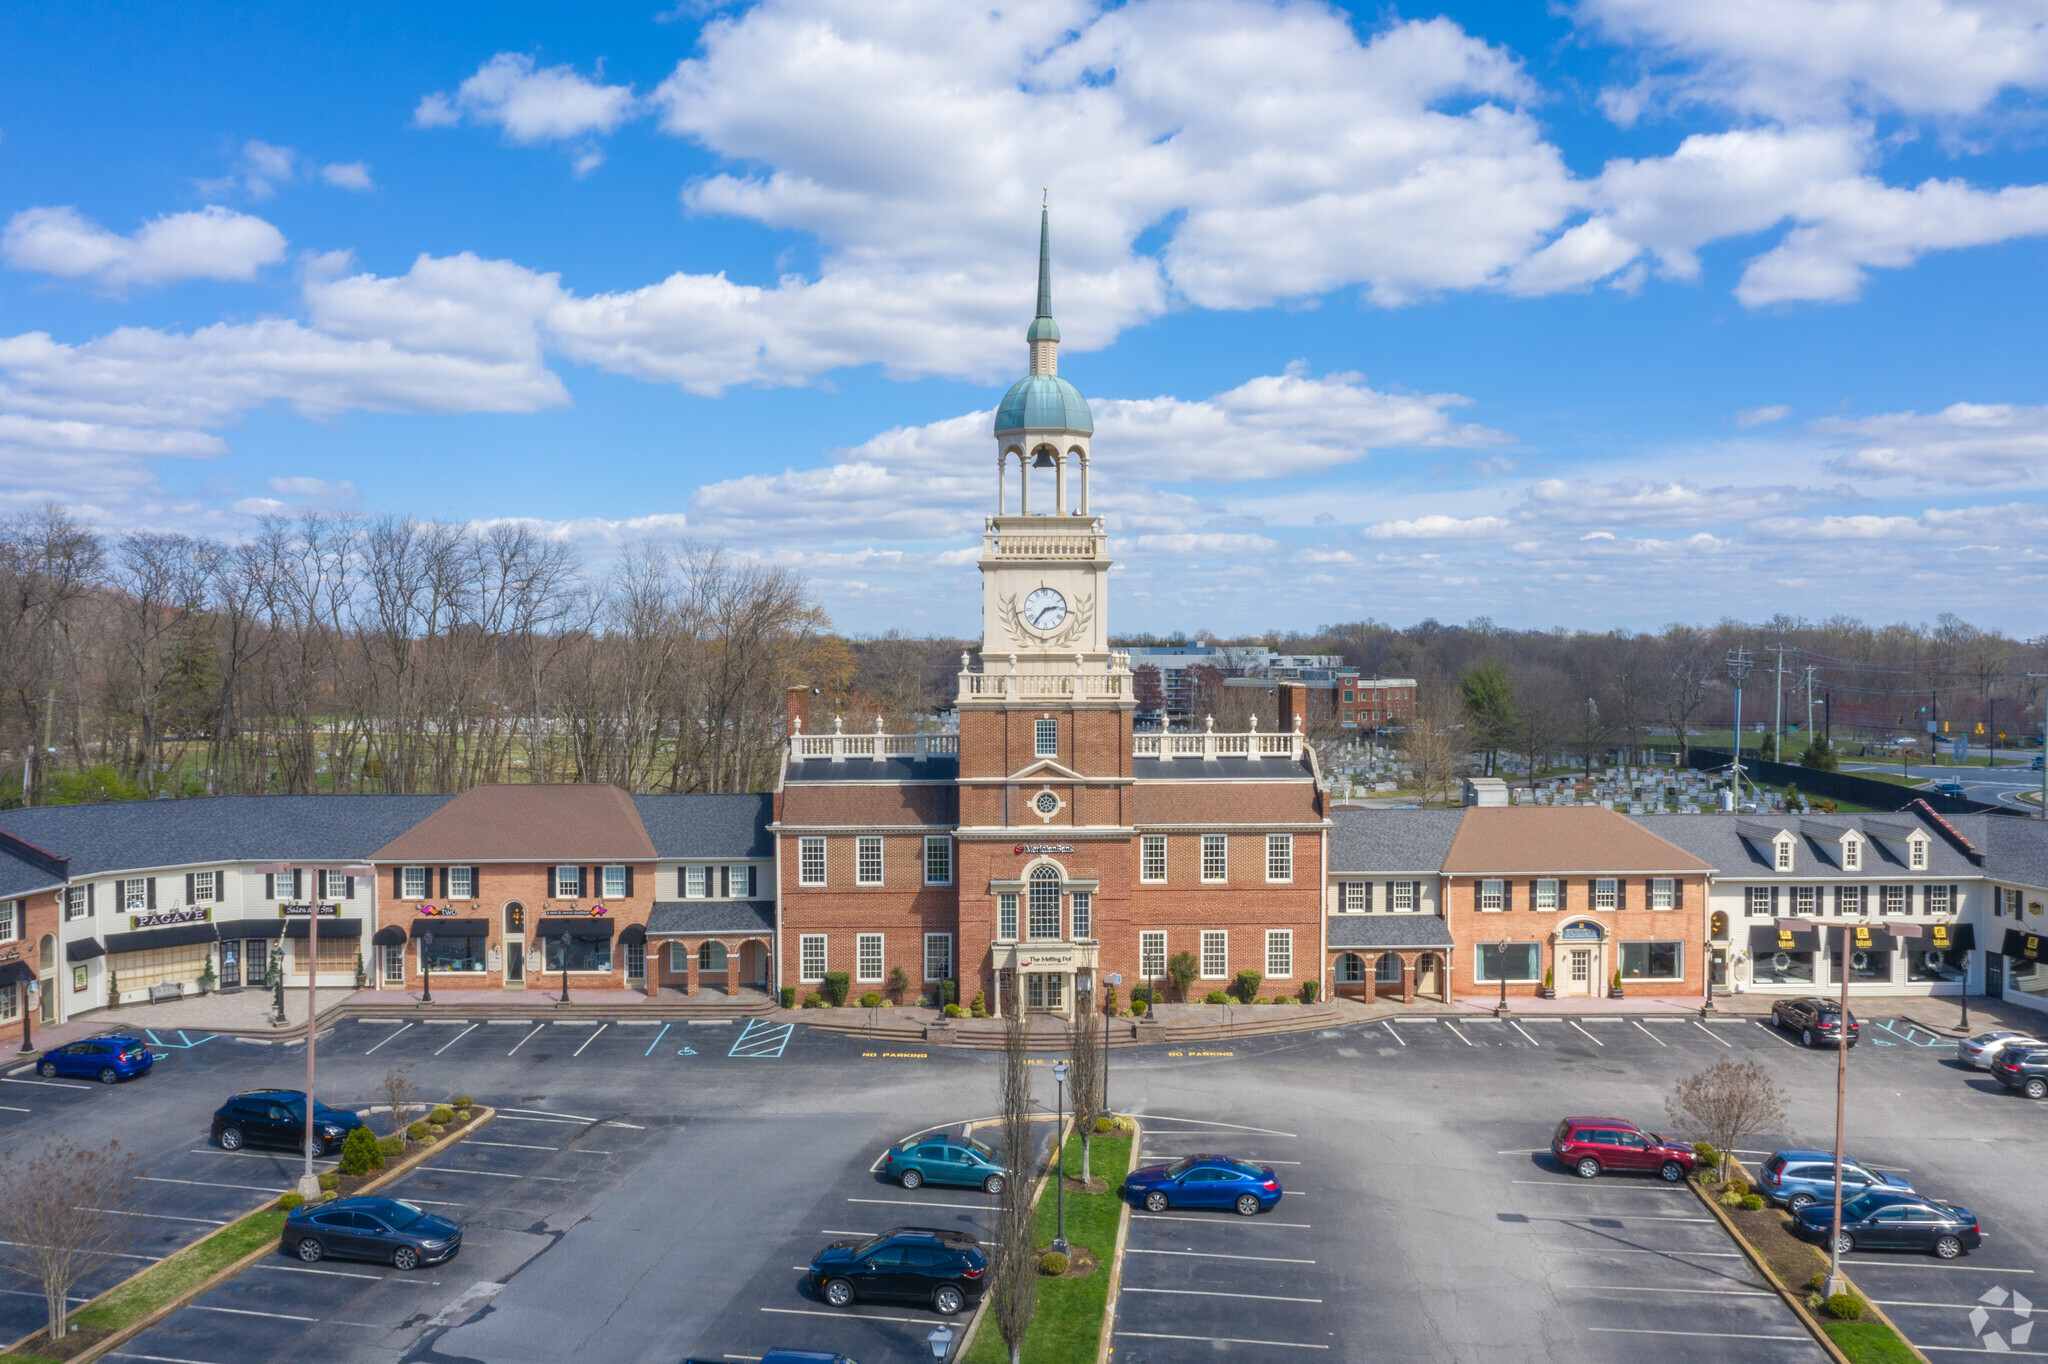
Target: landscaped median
(1849, 1327)
(1067, 1324)
(134, 1305)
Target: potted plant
(1614, 990)
(1549, 990)
(362, 973)
(207, 978)
(113, 989)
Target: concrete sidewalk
(245, 1012)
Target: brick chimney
(1293, 705)
(797, 711)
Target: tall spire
(1044, 335)
(1044, 262)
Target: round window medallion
(1047, 802)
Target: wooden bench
(166, 989)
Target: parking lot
(653, 1192)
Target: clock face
(1045, 609)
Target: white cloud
(532, 104)
(1636, 501)
(1439, 528)
(1762, 416)
(348, 175)
(211, 243)
(264, 167)
(314, 489)
(1184, 546)
(1970, 443)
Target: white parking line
(49, 1084)
(1660, 1288)
(1455, 1033)
(1703, 1028)
(1222, 1340)
(1390, 1031)
(550, 1113)
(154, 1359)
(1588, 1036)
(209, 1184)
(511, 1145)
(388, 1037)
(1157, 1158)
(1775, 1033)
(1674, 1254)
(112, 1255)
(257, 1155)
(920, 1203)
(491, 1174)
(159, 1216)
(510, 1022)
(1951, 1306)
(1718, 1335)
(524, 1040)
(588, 1040)
(1518, 1028)
(1204, 1122)
(1608, 1186)
(1215, 1293)
(330, 1273)
(1912, 1264)
(453, 1040)
(1652, 1036)
(1212, 1221)
(1204, 1255)
(842, 1316)
(12, 1109)
(246, 1312)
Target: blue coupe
(1204, 1182)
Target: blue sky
(1599, 314)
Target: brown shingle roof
(1578, 838)
(567, 824)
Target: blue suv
(1797, 1179)
(105, 1059)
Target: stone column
(1407, 977)
(1372, 973)
(689, 968)
(732, 969)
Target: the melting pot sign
(1022, 848)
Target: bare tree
(1430, 742)
(401, 1095)
(1016, 1269)
(1084, 1072)
(60, 1215)
(1726, 1102)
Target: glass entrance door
(515, 963)
(230, 964)
(1580, 973)
(1045, 992)
(515, 946)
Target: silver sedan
(1981, 1051)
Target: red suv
(1588, 1146)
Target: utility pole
(1809, 704)
(1739, 664)
(1778, 716)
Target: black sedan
(1890, 1221)
(946, 1270)
(1815, 1020)
(388, 1230)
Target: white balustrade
(1207, 744)
(838, 746)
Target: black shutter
(149, 893)
(1507, 893)
(476, 882)
(190, 877)
(270, 885)
(1678, 892)
(444, 883)
(725, 883)
(682, 882)
(348, 887)
(1620, 893)
(582, 882)
(1367, 904)
(298, 883)
(1774, 902)
(398, 883)
(629, 881)
(754, 871)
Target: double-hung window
(739, 882)
(810, 955)
(1894, 901)
(1852, 854)
(614, 883)
(1083, 914)
(1279, 857)
(1151, 954)
(938, 860)
(867, 862)
(1357, 897)
(1401, 897)
(1006, 916)
(1663, 892)
(697, 882)
(1805, 900)
(10, 920)
(1492, 896)
(810, 861)
(1045, 738)
(1215, 954)
(1152, 857)
(1848, 899)
(78, 902)
(1916, 854)
(1279, 953)
(1215, 857)
(1937, 900)
(1782, 861)
(867, 958)
(462, 883)
(1756, 902)
(134, 893)
(938, 956)
(568, 882)
(1547, 895)
(205, 887)
(413, 883)
(1606, 893)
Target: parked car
(105, 1059)
(1204, 1182)
(2024, 1069)
(945, 1269)
(1592, 1146)
(789, 1357)
(388, 1230)
(1793, 1179)
(945, 1160)
(1981, 1051)
(1893, 1221)
(277, 1117)
(1815, 1020)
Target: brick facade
(500, 887)
(1632, 922)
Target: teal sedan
(945, 1160)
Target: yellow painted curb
(405, 1165)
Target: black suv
(2026, 1071)
(277, 1117)
(1815, 1020)
(915, 1264)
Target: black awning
(581, 927)
(632, 933)
(1949, 938)
(16, 973)
(330, 928)
(391, 935)
(2025, 946)
(150, 939)
(84, 949)
(1865, 938)
(451, 928)
(250, 928)
(1763, 938)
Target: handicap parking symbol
(687, 1051)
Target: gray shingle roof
(133, 835)
(19, 876)
(712, 826)
(2016, 850)
(937, 767)
(1719, 841)
(1363, 839)
(1390, 930)
(1219, 769)
(671, 917)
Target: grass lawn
(159, 1284)
(1869, 1342)
(1067, 1321)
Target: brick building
(1047, 845)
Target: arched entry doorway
(46, 980)
(1429, 976)
(1717, 943)
(1581, 958)
(515, 946)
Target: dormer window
(1852, 854)
(1916, 853)
(1782, 859)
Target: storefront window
(1782, 968)
(1923, 965)
(1518, 962)
(1651, 960)
(450, 953)
(1866, 967)
(584, 954)
(2026, 977)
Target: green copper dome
(1044, 402)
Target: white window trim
(1555, 889)
(1916, 854)
(1006, 905)
(803, 955)
(1280, 847)
(929, 939)
(1669, 886)
(1783, 859)
(1038, 733)
(943, 842)
(405, 878)
(1613, 892)
(604, 881)
(1498, 895)
(860, 944)
(1222, 841)
(557, 881)
(861, 846)
(1396, 890)
(1146, 843)
(1284, 938)
(803, 870)
(1143, 936)
(1207, 934)
(1852, 854)
(1081, 915)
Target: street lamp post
(562, 945)
(1501, 950)
(427, 966)
(1059, 1127)
(29, 1004)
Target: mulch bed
(352, 1184)
(1769, 1231)
(1080, 1263)
(1074, 1184)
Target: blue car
(105, 1059)
(1794, 1179)
(1204, 1182)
